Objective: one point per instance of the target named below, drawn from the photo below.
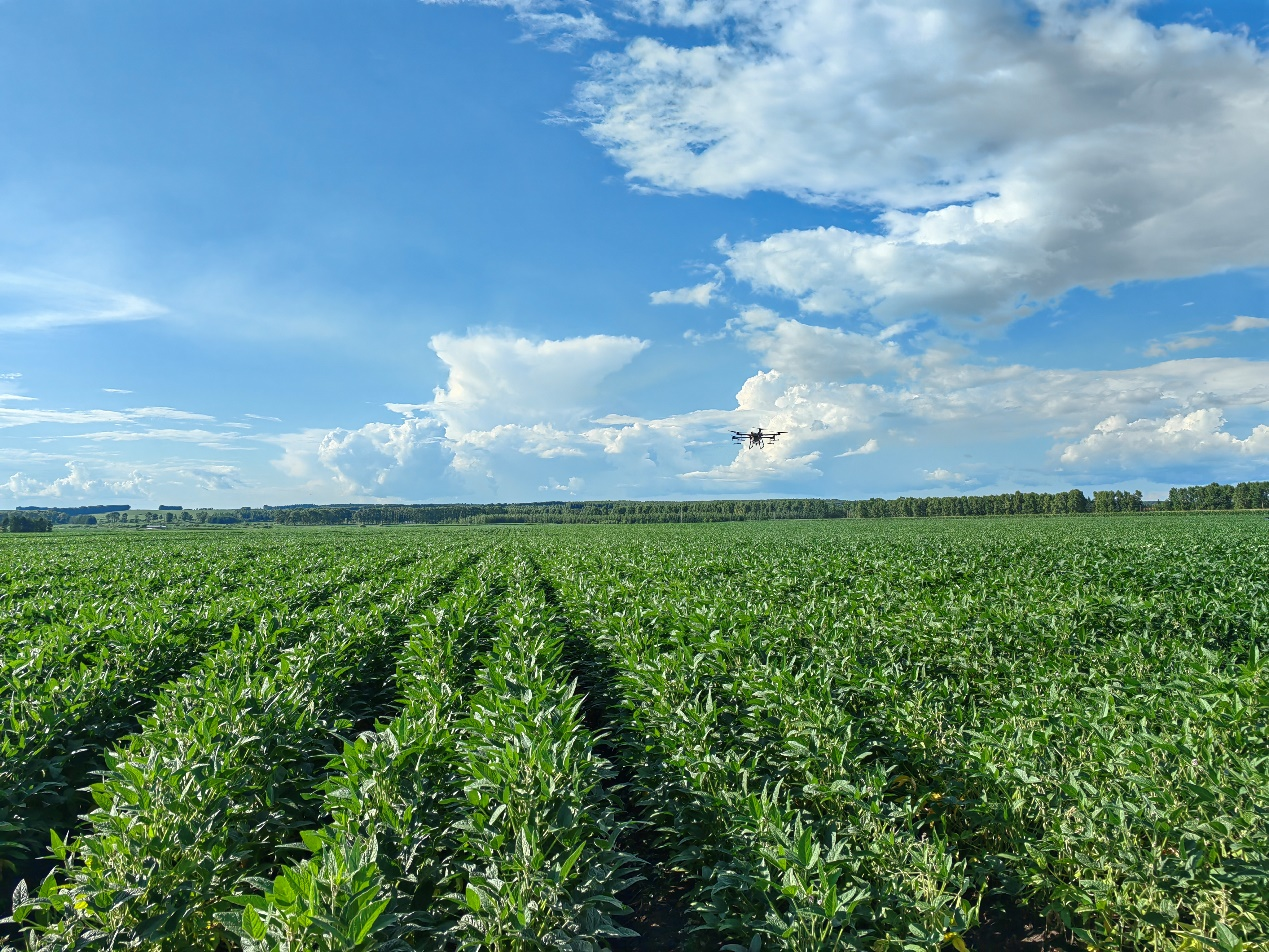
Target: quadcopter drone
(758, 437)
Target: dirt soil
(660, 915)
(1006, 927)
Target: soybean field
(868, 735)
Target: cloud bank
(517, 418)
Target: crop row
(875, 745)
(62, 707)
(222, 770)
(476, 818)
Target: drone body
(756, 438)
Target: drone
(758, 437)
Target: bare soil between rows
(1008, 927)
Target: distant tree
(17, 522)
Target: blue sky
(323, 250)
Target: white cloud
(204, 437)
(32, 301)
(1146, 161)
(512, 412)
(498, 378)
(869, 447)
(114, 390)
(1017, 398)
(16, 396)
(506, 399)
(216, 478)
(811, 353)
(558, 24)
(109, 480)
(167, 413)
(14, 416)
(368, 459)
(267, 419)
(1244, 323)
(79, 482)
(754, 468)
(10, 376)
(572, 487)
(699, 295)
(1156, 348)
(1184, 439)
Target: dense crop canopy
(836, 735)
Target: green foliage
(17, 522)
(901, 724)
(839, 735)
(334, 903)
(84, 650)
(1252, 495)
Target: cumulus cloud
(699, 295)
(1146, 161)
(80, 481)
(33, 301)
(557, 24)
(366, 460)
(1179, 439)
(755, 468)
(505, 398)
(500, 378)
(513, 412)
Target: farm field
(875, 735)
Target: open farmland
(790, 735)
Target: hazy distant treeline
(1249, 495)
(1072, 502)
(726, 510)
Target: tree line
(1220, 496)
(1070, 502)
(724, 510)
(21, 522)
(1253, 495)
